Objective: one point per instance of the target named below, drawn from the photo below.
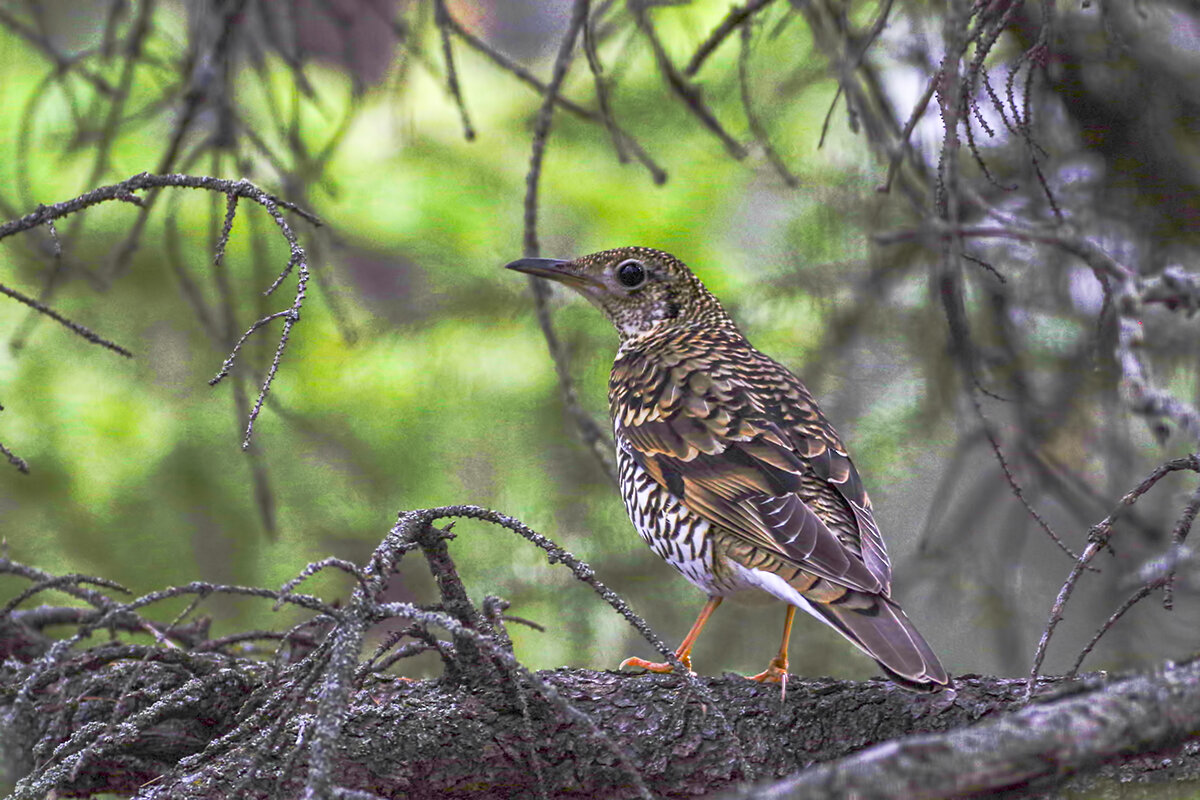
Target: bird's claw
(771, 674)
(660, 667)
(776, 672)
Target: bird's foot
(776, 672)
(660, 667)
(772, 674)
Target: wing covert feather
(745, 447)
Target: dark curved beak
(555, 270)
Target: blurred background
(418, 375)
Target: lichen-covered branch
(1091, 722)
(127, 191)
(322, 715)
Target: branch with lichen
(128, 191)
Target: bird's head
(640, 290)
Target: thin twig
(74, 327)
(901, 146)
(1098, 538)
(657, 173)
(21, 464)
(602, 100)
(1129, 603)
(757, 129)
(440, 15)
(591, 432)
(1178, 536)
(231, 189)
(687, 92)
(737, 16)
(227, 366)
(1012, 480)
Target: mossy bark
(438, 739)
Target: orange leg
(684, 653)
(776, 671)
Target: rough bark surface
(438, 739)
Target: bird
(730, 471)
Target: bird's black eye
(631, 273)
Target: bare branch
(1098, 538)
(597, 441)
(21, 464)
(1014, 485)
(685, 91)
(756, 127)
(1051, 739)
(441, 14)
(74, 327)
(738, 16)
(657, 173)
(597, 70)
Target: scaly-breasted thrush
(730, 471)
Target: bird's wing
(842, 489)
(749, 459)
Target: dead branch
(1098, 539)
(1074, 729)
(186, 718)
(593, 435)
(125, 191)
(476, 656)
(657, 173)
(196, 721)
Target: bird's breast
(677, 535)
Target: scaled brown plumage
(730, 471)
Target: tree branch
(1094, 722)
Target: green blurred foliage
(417, 375)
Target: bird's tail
(879, 628)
